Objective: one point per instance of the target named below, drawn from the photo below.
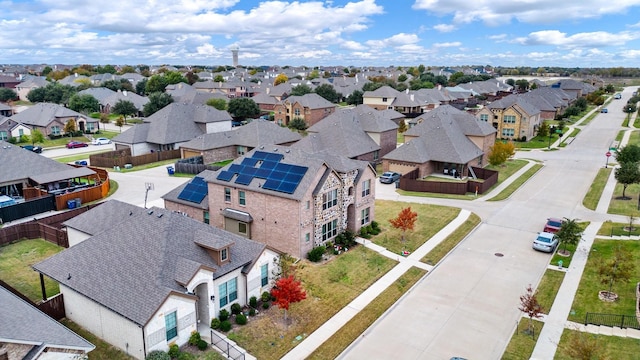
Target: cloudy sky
(570, 33)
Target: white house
(152, 276)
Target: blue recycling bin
(170, 170)
(71, 204)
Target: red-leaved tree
(406, 220)
(287, 290)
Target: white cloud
(592, 39)
(447, 44)
(444, 28)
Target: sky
(508, 33)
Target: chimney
(412, 97)
(268, 90)
(406, 91)
(124, 92)
(439, 87)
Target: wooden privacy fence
(410, 182)
(122, 157)
(54, 306)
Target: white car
(100, 141)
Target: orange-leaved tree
(406, 220)
(287, 290)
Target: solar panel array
(266, 166)
(195, 190)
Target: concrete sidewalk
(324, 332)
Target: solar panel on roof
(244, 179)
(295, 169)
(271, 184)
(277, 175)
(249, 161)
(294, 178)
(273, 157)
(287, 187)
(234, 168)
(269, 165)
(225, 175)
(194, 191)
(260, 155)
(283, 167)
(263, 173)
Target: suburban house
(11, 129)
(9, 82)
(575, 87)
(513, 116)
(51, 119)
(291, 200)
(28, 333)
(265, 102)
(309, 107)
(108, 98)
(445, 141)
(231, 144)
(153, 277)
(172, 126)
(387, 97)
(29, 84)
(190, 199)
(5, 110)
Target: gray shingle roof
(99, 93)
(23, 323)
(384, 91)
(42, 114)
(311, 101)
(511, 100)
(109, 213)
(137, 100)
(173, 194)
(143, 259)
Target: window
(171, 325)
(227, 194)
(308, 204)
(55, 130)
(205, 216)
(241, 198)
(384, 99)
(508, 132)
(330, 199)
(376, 155)
(224, 254)
(242, 228)
(296, 112)
(20, 132)
(364, 216)
(366, 188)
(264, 274)
(509, 119)
(90, 126)
(228, 292)
(4, 135)
(484, 117)
(241, 150)
(329, 229)
(307, 237)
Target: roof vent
(130, 213)
(149, 212)
(160, 215)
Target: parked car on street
(100, 141)
(552, 225)
(35, 149)
(617, 96)
(604, 111)
(545, 242)
(76, 144)
(389, 177)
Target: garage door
(189, 153)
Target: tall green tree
(220, 104)
(328, 92)
(301, 89)
(124, 108)
(570, 233)
(7, 94)
(355, 98)
(156, 102)
(627, 174)
(156, 84)
(629, 153)
(243, 108)
(36, 137)
(53, 93)
(115, 85)
(84, 103)
(141, 87)
(70, 127)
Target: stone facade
(285, 112)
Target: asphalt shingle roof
(42, 114)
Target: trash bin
(78, 202)
(170, 170)
(397, 183)
(71, 204)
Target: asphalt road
(468, 305)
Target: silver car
(389, 177)
(546, 242)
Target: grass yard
(515, 185)
(609, 228)
(103, 350)
(592, 197)
(441, 250)
(548, 288)
(508, 168)
(431, 218)
(607, 347)
(15, 267)
(339, 341)
(329, 286)
(634, 138)
(625, 207)
(586, 299)
(522, 343)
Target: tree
(287, 291)
(584, 346)
(156, 83)
(36, 137)
(220, 104)
(619, 267)
(405, 221)
(300, 90)
(543, 130)
(356, 98)
(297, 123)
(156, 102)
(53, 93)
(141, 87)
(328, 92)
(402, 127)
(70, 127)
(627, 174)
(120, 122)
(280, 79)
(570, 233)
(243, 108)
(629, 153)
(124, 108)
(402, 78)
(84, 103)
(7, 94)
(530, 306)
(523, 85)
(218, 78)
(500, 152)
(115, 85)
(104, 119)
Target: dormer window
(224, 254)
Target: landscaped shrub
(266, 296)
(375, 228)
(215, 323)
(364, 233)
(225, 326)
(186, 356)
(252, 312)
(236, 308)
(265, 305)
(158, 355)
(253, 302)
(224, 315)
(174, 351)
(316, 253)
(194, 338)
(241, 319)
(202, 345)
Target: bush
(241, 319)
(375, 225)
(194, 338)
(364, 233)
(224, 315)
(253, 302)
(265, 305)
(174, 351)
(215, 323)
(236, 308)
(202, 345)
(225, 326)
(186, 356)
(158, 355)
(316, 253)
(12, 140)
(252, 312)
(266, 296)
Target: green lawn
(606, 347)
(522, 342)
(103, 350)
(634, 138)
(15, 267)
(431, 218)
(586, 299)
(609, 228)
(548, 288)
(625, 207)
(592, 197)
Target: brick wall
(192, 212)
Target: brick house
(51, 119)
(514, 117)
(309, 107)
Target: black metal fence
(28, 208)
(226, 347)
(613, 320)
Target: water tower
(234, 53)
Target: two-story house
(513, 116)
(309, 107)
